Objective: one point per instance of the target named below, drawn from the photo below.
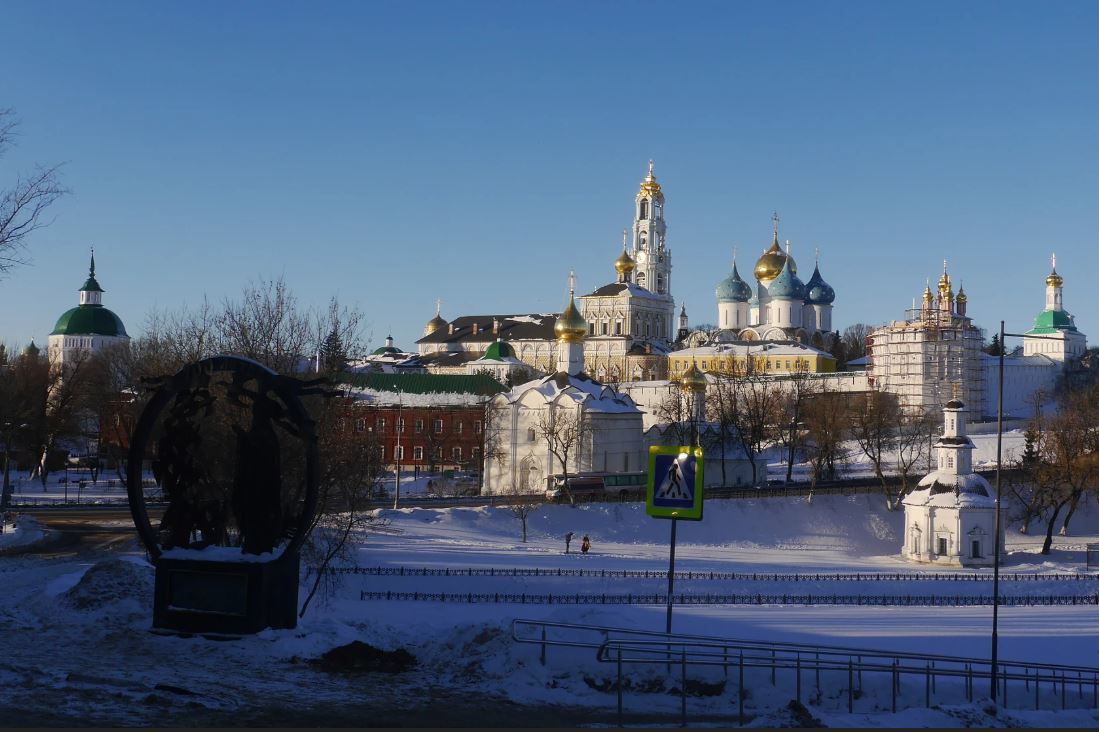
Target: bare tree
(798, 388)
(521, 505)
(874, 422)
(746, 408)
(565, 431)
(23, 204)
(1069, 448)
(826, 420)
(854, 340)
(910, 447)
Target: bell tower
(650, 250)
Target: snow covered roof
(943, 489)
(581, 389)
(422, 389)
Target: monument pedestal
(207, 596)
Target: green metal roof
(91, 285)
(426, 383)
(1052, 321)
(89, 320)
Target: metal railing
(707, 575)
(841, 666)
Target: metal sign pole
(671, 577)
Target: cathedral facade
(780, 306)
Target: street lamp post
(993, 676)
(397, 454)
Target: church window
(640, 279)
(950, 461)
(603, 328)
(644, 209)
(591, 328)
(942, 545)
(658, 209)
(530, 434)
(660, 284)
(618, 327)
(644, 239)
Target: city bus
(596, 486)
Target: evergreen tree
(333, 356)
(994, 347)
(1030, 446)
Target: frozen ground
(76, 627)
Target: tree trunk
(1071, 510)
(1048, 544)
(523, 518)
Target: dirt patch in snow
(111, 581)
(357, 657)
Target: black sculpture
(220, 426)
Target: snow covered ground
(76, 627)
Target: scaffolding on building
(929, 358)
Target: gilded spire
(1054, 279)
(649, 186)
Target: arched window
(658, 209)
(640, 279)
(644, 208)
(643, 238)
(660, 284)
(530, 434)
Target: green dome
(1052, 321)
(386, 350)
(498, 351)
(89, 320)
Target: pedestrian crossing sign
(675, 483)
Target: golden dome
(624, 264)
(434, 324)
(693, 380)
(928, 295)
(962, 297)
(1054, 279)
(770, 264)
(570, 326)
(649, 186)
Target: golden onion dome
(962, 297)
(570, 326)
(693, 380)
(928, 295)
(624, 264)
(434, 324)
(649, 186)
(770, 264)
(1054, 279)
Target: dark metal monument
(235, 453)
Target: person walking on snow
(568, 540)
(585, 544)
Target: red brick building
(426, 421)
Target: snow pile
(25, 530)
(109, 582)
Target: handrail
(678, 639)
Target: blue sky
(393, 153)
